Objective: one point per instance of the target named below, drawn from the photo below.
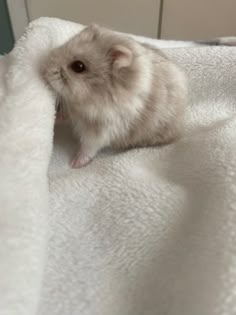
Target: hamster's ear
(94, 27)
(90, 32)
(121, 56)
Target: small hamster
(118, 92)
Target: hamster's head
(96, 61)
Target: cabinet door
(133, 16)
(198, 19)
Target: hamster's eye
(77, 66)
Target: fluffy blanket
(145, 232)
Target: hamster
(118, 92)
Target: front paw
(80, 160)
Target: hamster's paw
(80, 160)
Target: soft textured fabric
(144, 232)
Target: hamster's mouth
(60, 111)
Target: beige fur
(130, 94)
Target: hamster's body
(119, 92)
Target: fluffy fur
(129, 95)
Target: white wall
(18, 16)
(198, 19)
(181, 19)
(134, 16)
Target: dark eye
(77, 66)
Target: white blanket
(146, 232)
